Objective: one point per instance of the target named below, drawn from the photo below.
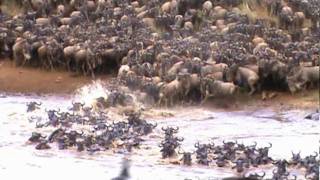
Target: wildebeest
(302, 78)
(21, 52)
(216, 88)
(243, 77)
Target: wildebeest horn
(43, 136)
(176, 129)
(316, 155)
(81, 133)
(276, 162)
(223, 142)
(163, 129)
(196, 145)
(155, 125)
(39, 104)
(270, 146)
(180, 139)
(255, 144)
(295, 154)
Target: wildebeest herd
(101, 133)
(82, 128)
(172, 50)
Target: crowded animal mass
(163, 54)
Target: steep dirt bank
(281, 101)
(36, 81)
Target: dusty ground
(35, 81)
(277, 100)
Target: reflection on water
(287, 131)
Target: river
(286, 130)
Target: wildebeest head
(265, 150)
(170, 130)
(76, 106)
(33, 106)
(281, 166)
(239, 165)
(43, 145)
(53, 118)
(256, 176)
(296, 158)
(36, 137)
(186, 157)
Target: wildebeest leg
(252, 84)
(90, 68)
(252, 89)
(84, 69)
(159, 102)
(304, 85)
(163, 102)
(24, 62)
(50, 62)
(171, 100)
(166, 102)
(205, 98)
(68, 62)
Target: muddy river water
(286, 130)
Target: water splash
(90, 92)
(98, 88)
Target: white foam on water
(90, 92)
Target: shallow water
(287, 131)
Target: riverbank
(40, 82)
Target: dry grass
(256, 10)
(10, 7)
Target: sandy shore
(41, 82)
